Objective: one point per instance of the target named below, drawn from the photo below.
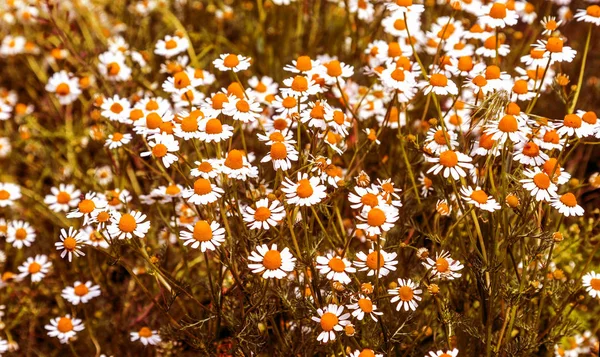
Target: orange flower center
(171, 44)
(242, 106)
(136, 114)
(218, 100)
(202, 231)
(64, 325)
(595, 284)
(299, 84)
(531, 149)
(365, 305)
(551, 137)
(20, 234)
(508, 124)
(442, 265)
(448, 158)
(376, 217)
(213, 126)
(205, 166)
(116, 108)
(231, 61)
(159, 150)
(278, 151)
(439, 137)
(81, 290)
(272, 260)
(398, 75)
(153, 120)
(465, 63)
(593, 10)
(113, 68)
(145, 332)
(498, 11)
(569, 199)
(4, 195)
(202, 186)
(304, 189)
(328, 321)
(369, 199)
(235, 159)
(181, 80)
(189, 124)
(520, 87)
(276, 136)
(372, 260)
(366, 353)
(70, 243)
(117, 137)
(406, 293)
(479, 196)
(303, 63)
(34, 268)
(400, 25)
(404, 3)
(438, 80)
(492, 72)
(127, 223)
(172, 190)
(554, 44)
(63, 197)
(337, 265)
(334, 68)
(289, 102)
(63, 89)
(541, 180)
(262, 214)
(572, 121)
(590, 118)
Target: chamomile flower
(65, 86)
(365, 352)
(443, 267)
(538, 183)
(70, 243)
(591, 14)
(437, 140)
(506, 127)
(566, 204)
(530, 154)
(232, 62)
(405, 6)
(332, 320)
(441, 353)
(237, 166)
(439, 84)
(36, 267)
(162, 146)
(63, 198)
(171, 46)
(406, 294)
(212, 130)
(242, 109)
(335, 268)
(306, 191)
(64, 328)
(146, 336)
(113, 67)
(572, 125)
(88, 207)
(281, 155)
(203, 192)
(81, 292)
(479, 198)
(207, 168)
(265, 215)
(378, 219)
(497, 14)
(555, 50)
(591, 283)
(300, 86)
(271, 262)
(364, 305)
(335, 70)
(127, 225)
(116, 109)
(204, 234)
(9, 193)
(451, 163)
(116, 140)
(384, 262)
(20, 234)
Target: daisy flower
(335, 69)
(237, 166)
(378, 219)
(331, 320)
(437, 140)
(558, 175)
(479, 198)
(451, 163)
(64, 328)
(207, 168)
(70, 243)
(116, 140)
(242, 109)
(232, 62)
(364, 305)
(497, 14)
(62, 198)
(365, 352)
(508, 127)
(590, 14)
(265, 215)
(384, 262)
(426, 185)
(271, 262)
(439, 84)
(407, 294)
(116, 109)
(300, 86)
(530, 154)
(405, 6)
(182, 82)
(88, 207)
(567, 205)
(146, 336)
(281, 155)
(590, 122)
(162, 146)
(37, 267)
(335, 268)
(171, 46)
(203, 234)
(302, 64)
(443, 267)
(555, 50)
(9, 192)
(203, 192)
(19, 234)
(305, 192)
(550, 25)
(538, 183)
(212, 130)
(573, 125)
(64, 86)
(441, 353)
(81, 292)
(113, 67)
(127, 225)
(591, 283)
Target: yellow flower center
(328, 321)
(202, 231)
(479, 196)
(64, 325)
(81, 290)
(235, 159)
(127, 223)
(569, 199)
(202, 186)
(405, 293)
(159, 150)
(304, 188)
(442, 265)
(448, 158)
(372, 260)
(365, 305)
(231, 61)
(541, 180)
(337, 265)
(272, 260)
